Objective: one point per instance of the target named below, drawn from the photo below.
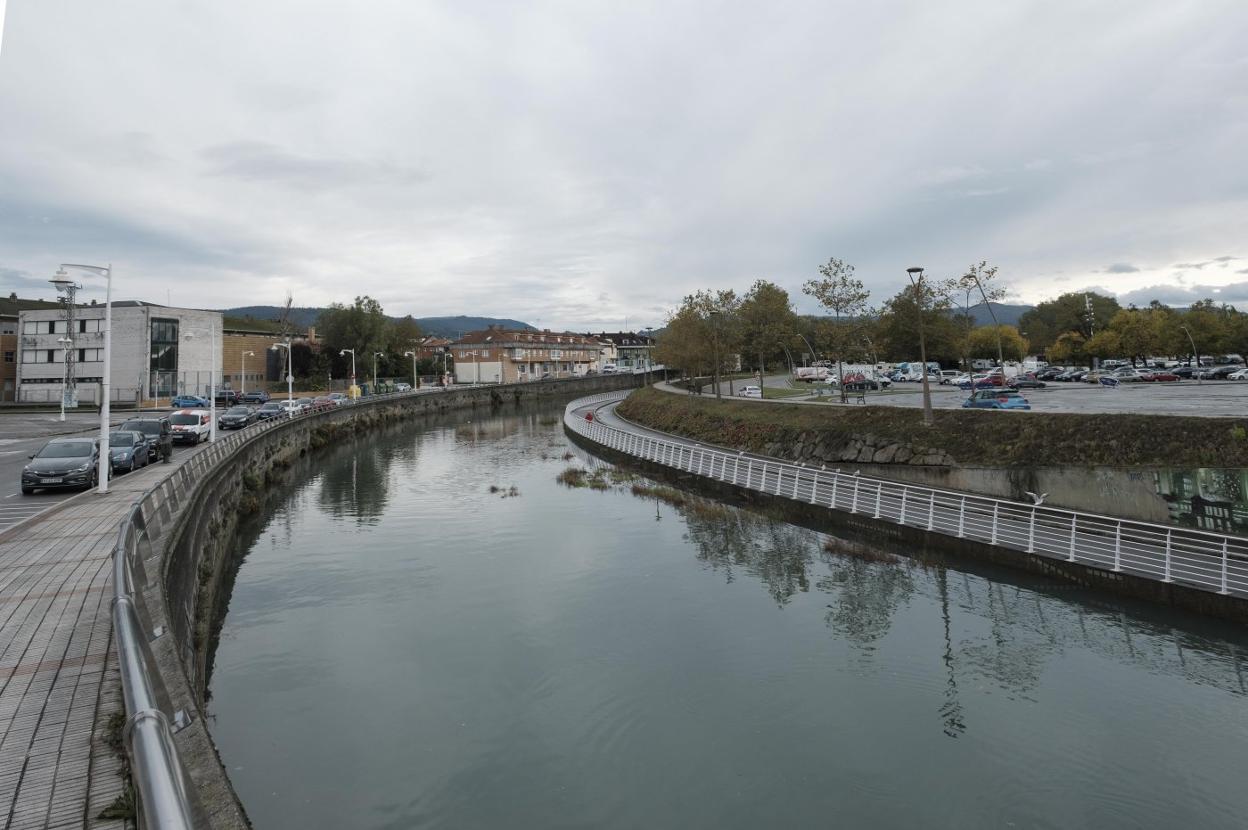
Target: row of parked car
(74, 463)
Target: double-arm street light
(212, 382)
(62, 280)
(916, 279)
(415, 377)
(1195, 356)
(242, 382)
(375, 356)
(290, 377)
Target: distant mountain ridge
(450, 327)
(1007, 315)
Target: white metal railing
(1199, 559)
(166, 797)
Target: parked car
(1025, 382)
(290, 408)
(306, 404)
(996, 399)
(191, 426)
(256, 396)
(270, 410)
(1049, 373)
(1131, 376)
(323, 402)
(63, 463)
(948, 376)
(402, 387)
(159, 434)
(338, 398)
(189, 402)
(1219, 372)
(227, 398)
(1239, 374)
(237, 417)
(750, 392)
(128, 450)
(1165, 376)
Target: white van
(190, 426)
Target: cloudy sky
(586, 164)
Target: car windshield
(120, 439)
(146, 427)
(183, 419)
(66, 449)
(238, 410)
(270, 407)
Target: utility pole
(916, 279)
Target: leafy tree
(362, 326)
(1104, 344)
(701, 335)
(768, 323)
(1001, 342)
(981, 277)
(897, 329)
(846, 298)
(1069, 348)
(1138, 333)
(1052, 318)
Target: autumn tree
(1069, 312)
(767, 323)
(981, 277)
(846, 298)
(1001, 342)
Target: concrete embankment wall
(198, 556)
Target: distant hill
(260, 316)
(1007, 315)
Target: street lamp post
(68, 343)
(415, 377)
(242, 381)
(212, 382)
(916, 279)
(352, 351)
(105, 271)
(1195, 355)
(375, 356)
(290, 377)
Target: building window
(8, 327)
(8, 357)
(90, 355)
(89, 326)
(164, 365)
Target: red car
(1164, 377)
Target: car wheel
(27, 491)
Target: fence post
(1031, 532)
(905, 491)
(1167, 578)
(749, 472)
(1224, 590)
(1074, 518)
(853, 507)
(836, 479)
(962, 519)
(879, 497)
(796, 475)
(931, 509)
(996, 506)
(814, 488)
(1118, 547)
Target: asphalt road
(22, 434)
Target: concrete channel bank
(175, 555)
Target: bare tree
(844, 296)
(981, 276)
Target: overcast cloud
(583, 164)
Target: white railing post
(814, 488)
(905, 491)
(962, 519)
(1224, 589)
(1167, 578)
(879, 497)
(749, 472)
(797, 474)
(853, 507)
(1074, 518)
(836, 480)
(1118, 547)
(1031, 532)
(931, 509)
(996, 506)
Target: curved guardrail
(166, 797)
(1208, 561)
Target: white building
(152, 352)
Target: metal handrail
(1201, 559)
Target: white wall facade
(41, 358)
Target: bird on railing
(1037, 498)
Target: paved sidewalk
(59, 681)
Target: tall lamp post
(1195, 356)
(415, 377)
(67, 343)
(212, 382)
(290, 377)
(242, 370)
(343, 354)
(106, 271)
(916, 279)
(375, 356)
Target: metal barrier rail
(1200, 559)
(166, 797)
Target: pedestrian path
(59, 681)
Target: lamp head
(61, 281)
(914, 270)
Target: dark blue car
(996, 399)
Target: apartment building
(10, 324)
(498, 355)
(628, 350)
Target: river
(429, 631)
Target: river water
(411, 642)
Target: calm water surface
(405, 648)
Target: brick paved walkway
(59, 681)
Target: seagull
(856, 472)
(1038, 498)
